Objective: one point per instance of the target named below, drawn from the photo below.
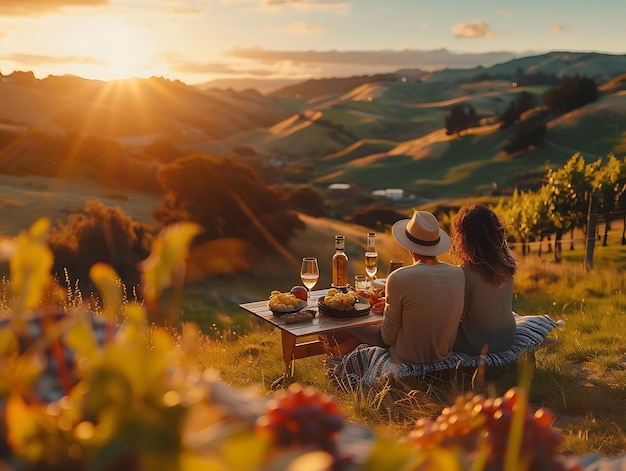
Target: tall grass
(583, 380)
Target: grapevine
(302, 416)
(476, 425)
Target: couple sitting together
(433, 308)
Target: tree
(526, 133)
(572, 93)
(227, 198)
(462, 116)
(609, 179)
(568, 189)
(376, 216)
(306, 199)
(525, 216)
(522, 102)
(98, 233)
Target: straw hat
(421, 234)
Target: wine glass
(309, 273)
(394, 264)
(371, 264)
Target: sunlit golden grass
(582, 380)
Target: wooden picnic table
(296, 338)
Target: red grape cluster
(474, 423)
(303, 416)
(456, 426)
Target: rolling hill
(132, 110)
(382, 131)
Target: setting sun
(115, 50)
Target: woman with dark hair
(479, 246)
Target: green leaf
(165, 265)
(244, 451)
(389, 454)
(30, 366)
(30, 267)
(80, 338)
(192, 462)
(107, 282)
(23, 427)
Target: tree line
(528, 128)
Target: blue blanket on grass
(366, 365)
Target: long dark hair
(479, 243)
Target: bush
(376, 217)
(227, 198)
(529, 131)
(97, 233)
(306, 199)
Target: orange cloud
(36, 59)
(475, 29)
(556, 28)
(303, 28)
(41, 7)
(337, 7)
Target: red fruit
(299, 292)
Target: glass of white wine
(309, 273)
(371, 257)
(371, 264)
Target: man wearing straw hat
(424, 301)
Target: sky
(197, 41)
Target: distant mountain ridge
(598, 66)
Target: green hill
(375, 132)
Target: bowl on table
(358, 309)
(281, 312)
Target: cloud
(196, 68)
(475, 29)
(556, 28)
(339, 7)
(41, 7)
(407, 58)
(303, 28)
(36, 59)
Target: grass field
(582, 381)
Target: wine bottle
(340, 263)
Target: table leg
(289, 345)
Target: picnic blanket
(44, 333)
(366, 365)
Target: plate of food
(338, 304)
(285, 303)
